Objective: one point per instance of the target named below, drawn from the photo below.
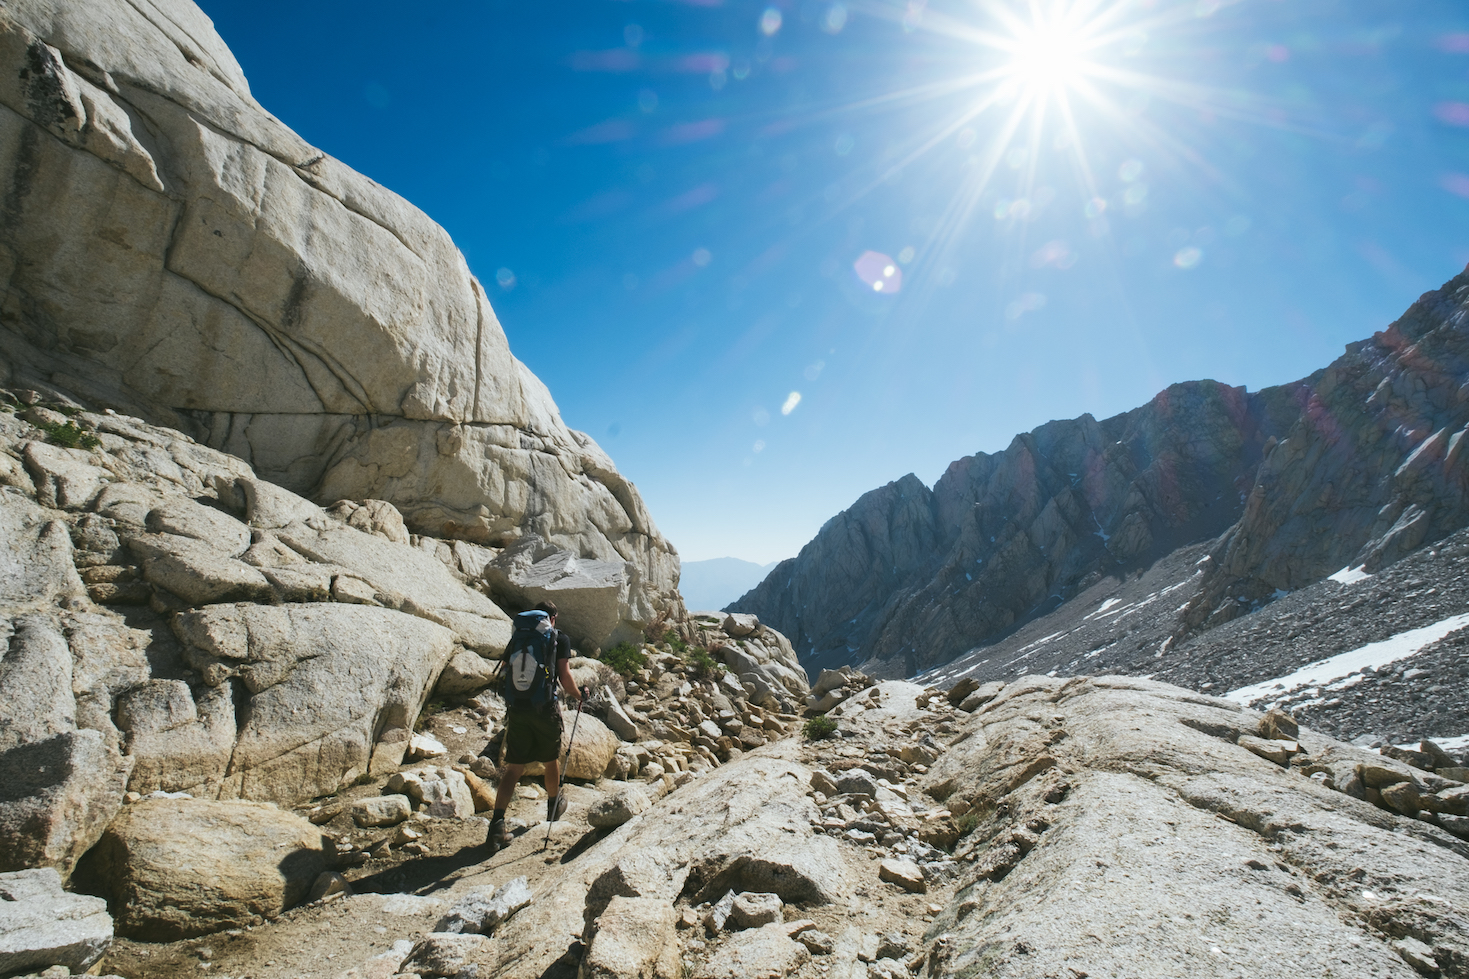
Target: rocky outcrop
(745, 827)
(173, 622)
(926, 839)
(171, 250)
(1172, 838)
(909, 577)
(762, 659)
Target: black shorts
(533, 735)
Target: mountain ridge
(1358, 462)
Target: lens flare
(879, 272)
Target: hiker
(537, 657)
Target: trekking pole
(566, 760)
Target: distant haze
(713, 584)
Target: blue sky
(670, 203)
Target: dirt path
(398, 897)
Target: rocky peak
(911, 577)
(1371, 469)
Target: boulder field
(175, 624)
(1097, 826)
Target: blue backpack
(528, 678)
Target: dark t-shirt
(563, 650)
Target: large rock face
(1356, 465)
(172, 250)
(914, 577)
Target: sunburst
(1045, 73)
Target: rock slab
(635, 938)
(42, 925)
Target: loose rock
(387, 810)
(634, 938)
(618, 808)
(904, 873)
(755, 910)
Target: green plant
(429, 710)
(673, 639)
(819, 728)
(625, 658)
(967, 823)
(705, 667)
(70, 436)
(363, 779)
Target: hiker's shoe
(499, 837)
(559, 809)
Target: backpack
(528, 671)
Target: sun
(1046, 57)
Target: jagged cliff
(171, 250)
(1372, 468)
(1357, 464)
(916, 576)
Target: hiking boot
(558, 811)
(499, 836)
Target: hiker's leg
(553, 778)
(508, 777)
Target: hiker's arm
(563, 671)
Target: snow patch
(1103, 607)
(1043, 640)
(1182, 584)
(1375, 655)
(1349, 576)
(1127, 610)
(1461, 743)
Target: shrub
(625, 658)
(819, 728)
(69, 436)
(967, 822)
(608, 677)
(673, 639)
(705, 667)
